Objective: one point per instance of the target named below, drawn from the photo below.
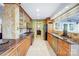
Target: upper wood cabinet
(20, 17)
(24, 21)
(49, 23)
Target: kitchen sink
(4, 44)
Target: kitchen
(21, 30)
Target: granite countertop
(3, 41)
(9, 43)
(6, 46)
(66, 39)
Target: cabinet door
(10, 52)
(54, 43)
(23, 46)
(28, 43)
(49, 38)
(13, 52)
(63, 48)
(59, 47)
(66, 47)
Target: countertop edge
(64, 39)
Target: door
(45, 31)
(0, 31)
(65, 29)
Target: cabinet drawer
(63, 48)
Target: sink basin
(3, 41)
(3, 44)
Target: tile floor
(40, 47)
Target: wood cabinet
(20, 49)
(10, 52)
(49, 23)
(61, 47)
(23, 47)
(25, 23)
(52, 41)
(49, 38)
(13, 52)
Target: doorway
(65, 29)
(38, 29)
(45, 31)
(38, 32)
(0, 31)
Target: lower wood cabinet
(19, 49)
(63, 48)
(23, 47)
(52, 41)
(10, 52)
(54, 44)
(13, 52)
(60, 47)
(49, 38)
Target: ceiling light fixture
(66, 7)
(38, 26)
(37, 10)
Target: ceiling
(74, 18)
(43, 10)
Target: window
(56, 26)
(71, 27)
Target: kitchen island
(63, 46)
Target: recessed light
(66, 7)
(37, 10)
(38, 26)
